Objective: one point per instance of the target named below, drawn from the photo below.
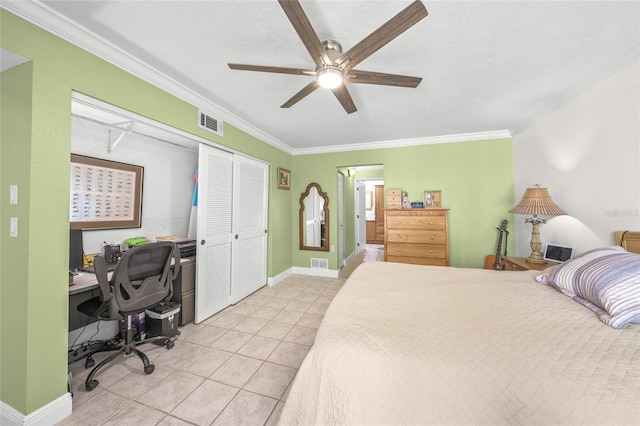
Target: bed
(409, 344)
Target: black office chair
(143, 278)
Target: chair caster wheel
(149, 369)
(91, 385)
(90, 362)
(170, 344)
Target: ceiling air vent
(209, 123)
(319, 263)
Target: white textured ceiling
(486, 66)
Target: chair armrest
(100, 268)
(176, 263)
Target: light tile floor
(235, 368)
(374, 253)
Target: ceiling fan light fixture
(329, 77)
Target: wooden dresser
(419, 236)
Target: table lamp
(536, 201)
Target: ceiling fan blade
(309, 88)
(345, 99)
(279, 70)
(383, 35)
(369, 77)
(307, 34)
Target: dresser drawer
(416, 236)
(416, 222)
(430, 251)
(417, 260)
(418, 212)
(394, 204)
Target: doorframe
(341, 260)
(355, 195)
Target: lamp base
(536, 257)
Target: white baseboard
(50, 414)
(350, 258)
(330, 273)
(271, 281)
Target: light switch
(13, 194)
(13, 232)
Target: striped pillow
(606, 280)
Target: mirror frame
(326, 218)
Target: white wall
(587, 153)
(167, 187)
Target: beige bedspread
(408, 344)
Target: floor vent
(209, 123)
(319, 263)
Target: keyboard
(110, 267)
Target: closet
(232, 229)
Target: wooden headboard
(629, 240)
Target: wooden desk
(85, 286)
(520, 264)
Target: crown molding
(48, 19)
(398, 143)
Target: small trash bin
(162, 319)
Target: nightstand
(520, 264)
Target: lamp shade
(537, 201)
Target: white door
(250, 227)
(215, 231)
(340, 220)
(361, 216)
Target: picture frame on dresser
(433, 198)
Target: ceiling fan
(332, 67)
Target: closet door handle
(236, 237)
(202, 242)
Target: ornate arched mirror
(314, 219)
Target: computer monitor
(76, 251)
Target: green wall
(36, 138)
(476, 179)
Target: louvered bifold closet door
(215, 231)
(250, 227)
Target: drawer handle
(400, 236)
(431, 251)
(399, 250)
(431, 223)
(432, 237)
(398, 222)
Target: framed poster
(104, 194)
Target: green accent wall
(475, 177)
